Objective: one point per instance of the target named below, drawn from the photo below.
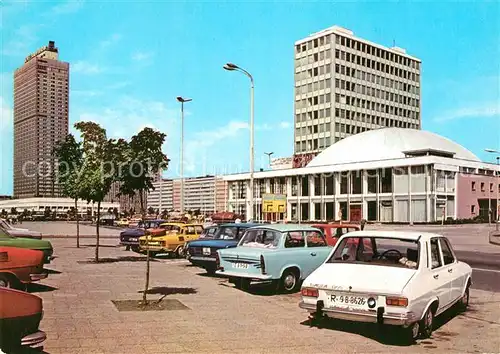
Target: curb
(81, 236)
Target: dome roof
(389, 143)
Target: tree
(145, 160)
(151, 211)
(115, 213)
(69, 154)
(101, 158)
(13, 211)
(46, 213)
(4, 213)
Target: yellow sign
(273, 203)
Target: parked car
(284, 254)
(203, 252)
(335, 230)
(19, 323)
(130, 236)
(209, 231)
(19, 232)
(122, 222)
(396, 278)
(20, 266)
(171, 240)
(8, 240)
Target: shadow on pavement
(167, 290)
(215, 276)
(117, 259)
(52, 271)
(389, 335)
(40, 288)
(104, 246)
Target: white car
(390, 278)
(19, 232)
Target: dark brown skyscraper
(41, 101)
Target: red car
(20, 266)
(20, 316)
(334, 231)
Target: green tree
(13, 211)
(145, 160)
(46, 213)
(151, 211)
(69, 154)
(116, 213)
(4, 213)
(101, 157)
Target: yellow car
(122, 223)
(170, 238)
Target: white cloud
(67, 7)
(142, 56)
(6, 116)
(86, 93)
(23, 41)
(114, 38)
(285, 125)
(485, 110)
(86, 68)
(118, 85)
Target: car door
(318, 249)
(441, 278)
(450, 261)
(295, 251)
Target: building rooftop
(390, 143)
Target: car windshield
(5, 225)
(171, 228)
(4, 234)
(380, 251)
(260, 238)
(226, 233)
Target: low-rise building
(383, 175)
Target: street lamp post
(234, 67)
(182, 101)
(497, 211)
(269, 156)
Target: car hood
(30, 243)
(25, 233)
(360, 278)
(213, 243)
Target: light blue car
(283, 254)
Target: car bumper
(261, 277)
(155, 249)
(34, 340)
(39, 276)
(129, 243)
(376, 316)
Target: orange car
(20, 266)
(334, 231)
(20, 316)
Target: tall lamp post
(234, 67)
(497, 211)
(182, 101)
(269, 154)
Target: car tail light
(309, 292)
(163, 243)
(217, 261)
(396, 301)
(262, 264)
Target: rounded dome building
(384, 175)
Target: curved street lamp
(182, 101)
(497, 152)
(234, 67)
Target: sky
(129, 60)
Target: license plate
(240, 265)
(345, 300)
(206, 251)
(132, 239)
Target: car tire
(5, 281)
(411, 333)
(427, 323)
(179, 252)
(290, 281)
(210, 271)
(463, 303)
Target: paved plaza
(81, 318)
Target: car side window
(190, 230)
(447, 253)
(294, 239)
(315, 239)
(435, 255)
(241, 231)
(198, 229)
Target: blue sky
(129, 60)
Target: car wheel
(289, 281)
(180, 252)
(427, 323)
(463, 303)
(5, 281)
(210, 271)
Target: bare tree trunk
(146, 287)
(97, 232)
(77, 224)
